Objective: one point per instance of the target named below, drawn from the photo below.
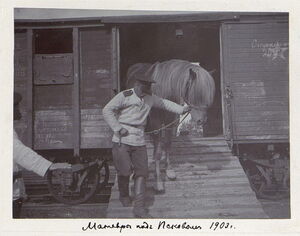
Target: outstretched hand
(56, 166)
(186, 108)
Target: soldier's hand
(123, 132)
(56, 166)
(186, 108)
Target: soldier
(126, 114)
(25, 157)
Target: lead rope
(156, 131)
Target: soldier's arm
(110, 112)
(167, 105)
(29, 159)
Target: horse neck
(171, 91)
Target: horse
(179, 81)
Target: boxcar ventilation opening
(191, 41)
(51, 41)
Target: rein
(156, 131)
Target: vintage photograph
(151, 114)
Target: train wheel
(73, 188)
(256, 180)
(259, 185)
(103, 175)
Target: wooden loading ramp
(210, 183)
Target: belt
(134, 126)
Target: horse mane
(177, 79)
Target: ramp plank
(210, 183)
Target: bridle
(200, 108)
(156, 131)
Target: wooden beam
(29, 93)
(67, 26)
(76, 92)
(225, 112)
(115, 59)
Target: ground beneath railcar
(279, 209)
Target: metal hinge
(228, 93)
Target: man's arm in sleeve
(28, 159)
(167, 105)
(110, 110)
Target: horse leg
(167, 147)
(157, 156)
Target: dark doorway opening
(191, 41)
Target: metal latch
(228, 92)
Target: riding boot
(139, 209)
(123, 184)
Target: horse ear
(151, 71)
(193, 74)
(212, 72)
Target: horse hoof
(171, 174)
(159, 187)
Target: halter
(199, 108)
(156, 131)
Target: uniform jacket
(127, 110)
(25, 157)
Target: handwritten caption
(160, 225)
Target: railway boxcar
(68, 66)
(68, 69)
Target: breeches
(129, 158)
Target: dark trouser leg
(123, 184)
(17, 205)
(140, 164)
(122, 162)
(139, 209)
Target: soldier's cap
(17, 98)
(145, 76)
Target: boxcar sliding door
(255, 75)
(53, 81)
(75, 73)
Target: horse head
(191, 97)
(199, 114)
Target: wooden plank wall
(52, 89)
(256, 68)
(21, 77)
(53, 122)
(96, 86)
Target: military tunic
(127, 110)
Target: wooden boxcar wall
(22, 84)
(51, 116)
(255, 59)
(98, 83)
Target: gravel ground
(279, 209)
